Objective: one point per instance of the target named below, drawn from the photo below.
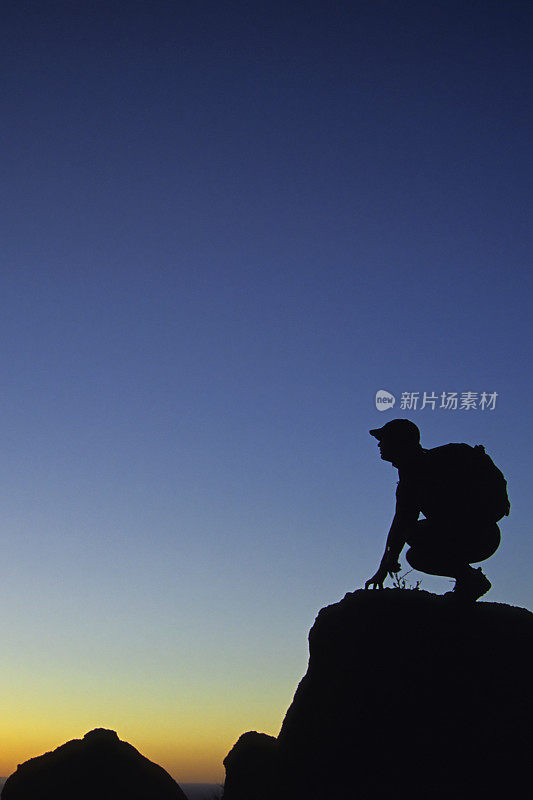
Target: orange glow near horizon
(184, 720)
(191, 750)
(188, 760)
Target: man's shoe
(471, 587)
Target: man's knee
(433, 562)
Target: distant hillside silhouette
(407, 695)
(98, 767)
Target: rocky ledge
(407, 695)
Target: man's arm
(406, 515)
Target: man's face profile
(390, 449)
(386, 449)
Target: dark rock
(98, 767)
(407, 694)
(251, 767)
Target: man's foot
(470, 587)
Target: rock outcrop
(407, 695)
(251, 767)
(98, 767)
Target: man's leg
(433, 552)
(448, 548)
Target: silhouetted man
(457, 531)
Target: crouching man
(462, 495)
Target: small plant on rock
(399, 582)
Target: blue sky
(224, 228)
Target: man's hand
(388, 566)
(376, 581)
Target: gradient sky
(225, 226)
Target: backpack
(468, 476)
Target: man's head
(399, 440)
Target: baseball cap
(398, 429)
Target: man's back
(454, 480)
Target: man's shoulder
(432, 459)
(450, 450)
(444, 463)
